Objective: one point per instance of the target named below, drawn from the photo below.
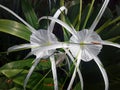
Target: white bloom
(89, 46)
(43, 43)
(87, 42)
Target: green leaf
(26, 64)
(15, 28)
(29, 13)
(18, 76)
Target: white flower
(43, 44)
(90, 45)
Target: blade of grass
(88, 15)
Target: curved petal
(104, 74)
(18, 17)
(72, 80)
(56, 15)
(54, 72)
(47, 49)
(43, 37)
(78, 70)
(37, 60)
(86, 40)
(74, 73)
(97, 19)
(100, 65)
(110, 44)
(71, 30)
(21, 47)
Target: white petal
(18, 17)
(99, 15)
(78, 70)
(54, 72)
(104, 74)
(21, 47)
(72, 80)
(100, 65)
(71, 30)
(110, 44)
(56, 15)
(47, 50)
(74, 73)
(74, 50)
(37, 60)
(87, 39)
(42, 37)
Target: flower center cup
(88, 42)
(42, 38)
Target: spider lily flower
(43, 44)
(90, 45)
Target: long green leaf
(15, 28)
(43, 65)
(29, 13)
(18, 76)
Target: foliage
(14, 72)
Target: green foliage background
(14, 69)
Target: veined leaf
(15, 28)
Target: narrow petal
(104, 74)
(74, 73)
(37, 60)
(100, 65)
(53, 47)
(71, 30)
(42, 37)
(72, 80)
(110, 44)
(97, 19)
(54, 72)
(56, 15)
(18, 17)
(21, 47)
(78, 70)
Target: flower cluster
(83, 45)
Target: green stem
(88, 15)
(62, 4)
(79, 17)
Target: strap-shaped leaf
(29, 13)
(15, 28)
